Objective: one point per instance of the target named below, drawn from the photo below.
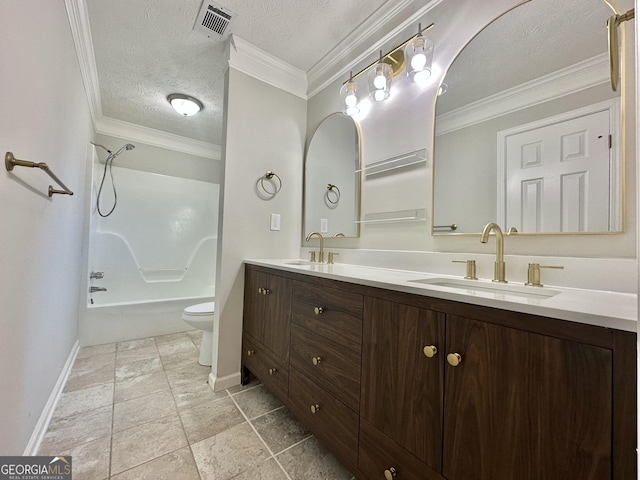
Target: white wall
(264, 129)
(45, 118)
(405, 123)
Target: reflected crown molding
(580, 76)
(257, 63)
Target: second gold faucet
(498, 274)
(321, 253)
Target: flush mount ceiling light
(417, 57)
(184, 104)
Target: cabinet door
(267, 310)
(253, 303)
(277, 313)
(402, 387)
(525, 406)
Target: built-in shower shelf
(162, 274)
(417, 157)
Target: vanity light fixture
(184, 104)
(416, 52)
(419, 54)
(349, 93)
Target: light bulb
(422, 76)
(379, 95)
(418, 61)
(351, 111)
(380, 81)
(351, 99)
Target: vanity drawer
(331, 366)
(378, 453)
(264, 365)
(332, 313)
(333, 422)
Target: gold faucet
(498, 274)
(321, 253)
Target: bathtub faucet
(97, 289)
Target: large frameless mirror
(528, 129)
(332, 179)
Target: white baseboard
(43, 422)
(222, 383)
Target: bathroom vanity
(420, 381)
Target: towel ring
(276, 185)
(336, 192)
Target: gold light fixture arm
(390, 53)
(614, 54)
(10, 162)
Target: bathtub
(151, 258)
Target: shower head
(129, 146)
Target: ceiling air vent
(214, 21)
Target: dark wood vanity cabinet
(404, 387)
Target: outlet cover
(324, 225)
(275, 221)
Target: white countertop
(593, 307)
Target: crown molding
(257, 63)
(580, 76)
(130, 131)
(81, 32)
(367, 33)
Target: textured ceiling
(147, 49)
(530, 41)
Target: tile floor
(142, 409)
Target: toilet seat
(207, 308)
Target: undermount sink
(495, 288)
(298, 262)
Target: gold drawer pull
(250, 352)
(260, 290)
(315, 408)
(272, 371)
(454, 359)
(390, 474)
(316, 360)
(266, 291)
(318, 310)
(430, 351)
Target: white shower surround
(157, 251)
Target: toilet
(200, 316)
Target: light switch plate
(275, 221)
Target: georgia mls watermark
(35, 468)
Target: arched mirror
(527, 131)
(332, 179)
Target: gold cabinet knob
(390, 474)
(316, 360)
(318, 310)
(266, 291)
(272, 371)
(250, 352)
(454, 359)
(315, 408)
(260, 289)
(430, 351)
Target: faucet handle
(312, 256)
(533, 273)
(331, 255)
(471, 268)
